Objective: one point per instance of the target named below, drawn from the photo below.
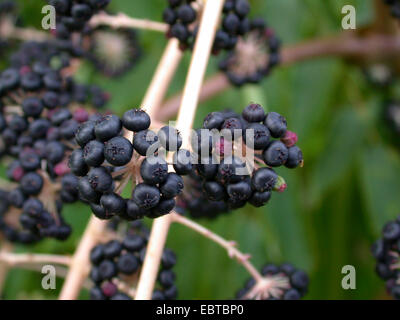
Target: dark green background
(334, 207)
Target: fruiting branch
(80, 263)
(229, 246)
(346, 45)
(121, 20)
(201, 54)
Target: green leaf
(380, 169)
(343, 144)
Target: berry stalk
(121, 20)
(229, 246)
(195, 77)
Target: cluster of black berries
(236, 155)
(194, 201)
(394, 7)
(34, 119)
(73, 15)
(387, 253)
(181, 15)
(25, 220)
(106, 154)
(283, 282)
(254, 56)
(40, 111)
(113, 52)
(117, 264)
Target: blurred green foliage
(334, 207)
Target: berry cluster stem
(229, 246)
(201, 54)
(121, 20)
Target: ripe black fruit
(146, 196)
(136, 120)
(264, 179)
(154, 170)
(276, 154)
(118, 151)
(276, 124)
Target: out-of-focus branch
(14, 259)
(8, 30)
(347, 46)
(5, 248)
(121, 20)
(229, 246)
(383, 20)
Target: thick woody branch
(198, 65)
(121, 20)
(346, 46)
(229, 246)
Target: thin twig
(5, 248)
(121, 20)
(14, 259)
(347, 45)
(229, 246)
(198, 65)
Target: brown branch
(195, 77)
(347, 46)
(229, 246)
